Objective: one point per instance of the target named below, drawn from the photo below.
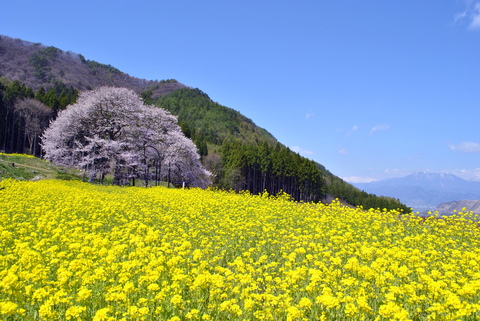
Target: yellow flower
(327, 298)
(350, 309)
(102, 315)
(153, 287)
(393, 311)
(8, 308)
(9, 281)
(69, 247)
(305, 303)
(193, 314)
(129, 287)
(74, 312)
(176, 299)
(231, 306)
(293, 313)
(83, 294)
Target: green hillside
(215, 122)
(27, 167)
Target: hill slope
(26, 167)
(252, 158)
(216, 122)
(36, 65)
(459, 206)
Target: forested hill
(36, 81)
(197, 112)
(36, 66)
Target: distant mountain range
(424, 191)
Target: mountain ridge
(43, 66)
(423, 190)
(459, 206)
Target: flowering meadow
(75, 251)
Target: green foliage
(9, 170)
(187, 131)
(15, 90)
(82, 59)
(216, 122)
(50, 52)
(41, 61)
(201, 144)
(197, 137)
(96, 67)
(248, 159)
(65, 176)
(58, 97)
(4, 82)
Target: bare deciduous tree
(35, 116)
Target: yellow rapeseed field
(75, 251)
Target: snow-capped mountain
(475, 179)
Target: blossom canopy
(111, 130)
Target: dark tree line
(257, 168)
(263, 167)
(24, 114)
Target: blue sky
(370, 89)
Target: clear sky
(370, 89)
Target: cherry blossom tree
(111, 130)
(184, 161)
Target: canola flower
(75, 251)
(15, 154)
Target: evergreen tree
(40, 94)
(274, 169)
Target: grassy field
(30, 168)
(27, 167)
(75, 251)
